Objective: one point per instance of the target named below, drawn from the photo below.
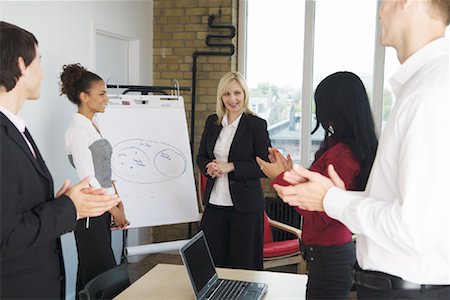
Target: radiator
(277, 210)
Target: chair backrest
(106, 285)
(268, 236)
(202, 179)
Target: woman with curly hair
(90, 153)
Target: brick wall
(180, 28)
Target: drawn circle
(147, 162)
(130, 161)
(170, 163)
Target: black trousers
(375, 287)
(329, 270)
(95, 254)
(235, 239)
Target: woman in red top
(343, 110)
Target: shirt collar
(234, 124)
(15, 119)
(436, 48)
(83, 120)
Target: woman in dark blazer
(234, 201)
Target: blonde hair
(224, 85)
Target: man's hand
(309, 188)
(64, 188)
(334, 176)
(90, 202)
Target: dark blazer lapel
(214, 134)
(242, 128)
(240, 134)
(17, 137)
(40, 160)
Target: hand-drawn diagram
(143, 161)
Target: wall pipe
(210, 42)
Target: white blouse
(220, 194)
(80, 135)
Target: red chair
(202, 179)
(282, 253)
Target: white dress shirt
(20, 125)
(220, 194)
(402, 220)
(80, 134)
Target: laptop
(205, 282)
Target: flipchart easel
(151, 160)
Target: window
(274, 68)
(344, 41)
(339, 36)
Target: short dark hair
(15, 42)
(343, 110)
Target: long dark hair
(343, 110)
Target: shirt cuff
(335, 203)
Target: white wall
(66, 34)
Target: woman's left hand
(224, 167)
(119, 220)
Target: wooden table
(172, 282)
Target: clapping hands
(88, 201)
(277, 163)
(308, 188)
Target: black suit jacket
(251, 140)
(32, 220)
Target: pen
(87, 219)
(113, 183)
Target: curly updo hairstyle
(76, 79)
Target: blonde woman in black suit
(234, 200)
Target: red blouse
(318, 228)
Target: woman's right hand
(277, 165)
(276, 156)
(213, 169)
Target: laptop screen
(198, 261)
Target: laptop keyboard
(226, 289)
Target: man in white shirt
(402, 219)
